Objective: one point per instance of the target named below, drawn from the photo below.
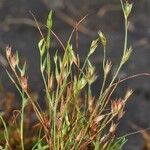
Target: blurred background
(18, 29)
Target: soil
(18, 32)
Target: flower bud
(93, 47)
(102, 38)
(127, 9)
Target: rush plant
(72, 120)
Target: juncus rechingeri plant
(72, 121)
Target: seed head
(24, 83)
(127, 55)
(107, 67)
(128, 94)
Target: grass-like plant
(72, 120)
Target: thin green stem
(50, 106)
(124, 49)
(122, 5)
(55, 129)
(5, 132)
(22, 121)
(104, 80)
(104, 57)
(102, 88)
(88, 97)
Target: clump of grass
(71, 121)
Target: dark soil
(17, 32)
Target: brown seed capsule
(99, 118)
(13, 61)
(50, 82)
(104, 139)
(59, 123)
(94, 127)
(113, 128)
(117, 106)
(24, 83)
(8, 52)
(79, 135)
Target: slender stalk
(88, 97)
(22, 121)
(104, 80)
(6, 134)
(50, 105)
(55, 112)
(125, 43)
(104, 57)
(124, 49)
